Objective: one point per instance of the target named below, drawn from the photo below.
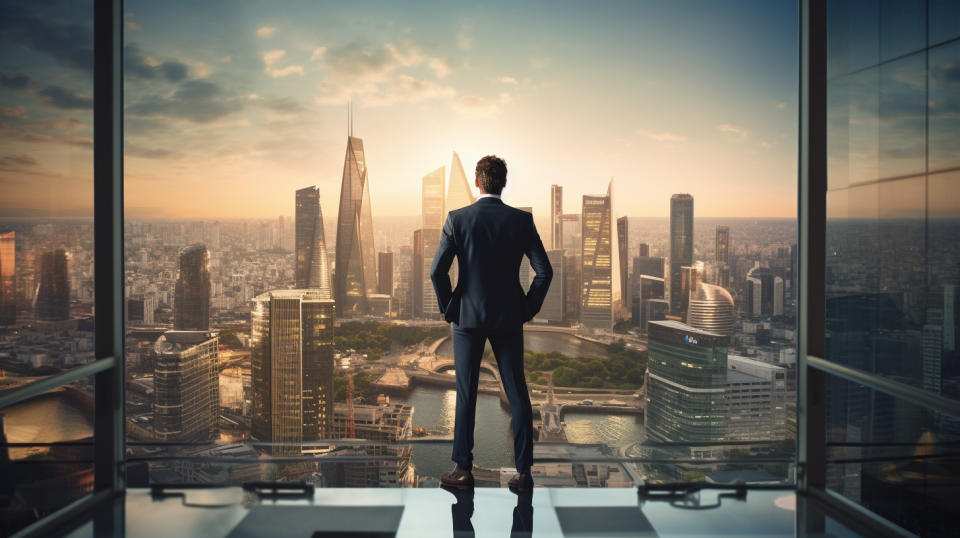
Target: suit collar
(488, 200)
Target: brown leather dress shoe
(521, 482)
(457, 478)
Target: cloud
(464, 39)
(17, 161)
(272, 58)
(733, 129)
(132, 26)
(134, 150)
(84, 141)
(18, 81)
(198, 101)
(61, 97)
(137, 65)
(477, 106)
(28, 26)
(284, 105)
(57, 124)
(12, 111)
(266, 31)
(440, 67)
(407, 89)
(539, 62)
(662, 136)
(507, 80)
(318, 53)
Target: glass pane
(894, 458)
(944, 107)
(903, 116)
(287, 179)
(46, 176)
(46, 454)
(903, 28)
(944, 20)
(853, 36)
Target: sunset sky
(232, 106)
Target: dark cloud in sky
(61, 97)
(135, 65)
(64, 31)
(199, 101)
(10, 161)
(16, 81)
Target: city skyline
(243, 118)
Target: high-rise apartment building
(53, 291)
(191, 308)
(186, 387)
(596, 309)
(556, 217)
(356, 264)
(8, 278)
(292, 367)
(623, 242)
(681, 245)
(385, 273)
(310, 240)
(686, 382)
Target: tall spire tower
(355, 273)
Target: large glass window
(287, 175)
(46, 255)
(892, 258)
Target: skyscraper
(310, 240)
(429, 240)
(432, 213)
(8, 279)
(292, 367)
(722, 265)
(761, 287)
(186, 387)
(53, 291)
(458, 191)
(681, 245)
(356, 268)
(556, 216)
(623, 242)
(572, 251)
(416, 276)
(432, 216)
(686, 381)
(711, 310)
(553, 308)
(689, 278)
(644, 250)
(191, 308)
(596, 308)
(385, 273)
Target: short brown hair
(492, 174)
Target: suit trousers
(468, 346)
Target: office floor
(436, 512)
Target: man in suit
(489, 240)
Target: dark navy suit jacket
(489, 239)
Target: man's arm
(440, 269)
(541, 265)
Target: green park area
(621, 369)
(376, 339)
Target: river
(434, 409)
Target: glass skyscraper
(711, 309)
(356, 269)
(623, 242)
(191, 309)
(186, 387)
(292, 367)
(596, 310)
(572, 254)
(385, 272)
(8, 279)
(432, 216)
(686, 381)
(681, 245)
(310, 240)
(556, 216)
(53, 291)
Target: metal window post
(108, 242)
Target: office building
(681, 246)
(644, 250)
(8, 279)
(689, 278)
(416, 276)
(186, 387)
(686, 382)
(653, 310)
(292, 367)
(755, 400)
(777, 296)
(386, 424)
(356, 268)
(931, 356)
(596, 308)
(646, 265)
(556, 217)
(432, 213)
(552, 310)
(711, 309)
(309, 239)
(385, 273)
(191, 309)
(425, 296)
(722, 259)
(623, 242)
(760, 290)
(53, 291)
(570, 227)
(645, 287)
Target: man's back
(489, 239)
